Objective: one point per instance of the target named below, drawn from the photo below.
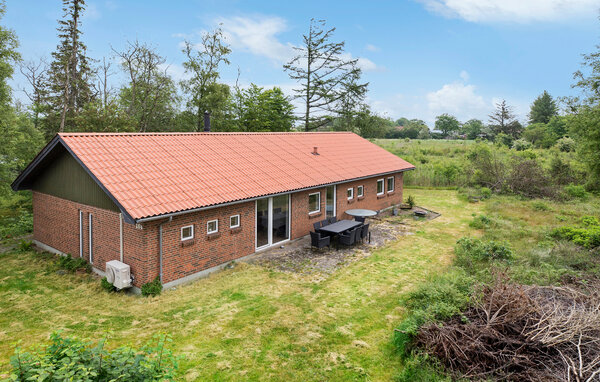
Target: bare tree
(103, 89)
(35, 72)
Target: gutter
(177, 213)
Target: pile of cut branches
(521, 333)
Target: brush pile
(521, 333)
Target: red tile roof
(158, 173)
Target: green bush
(411, 201)
(441, 297)
(25, 245)
(480, 222)
(576, 191)
(106, 285)
(587, 235)
(538, 205)
(72, 264)
(470, 251)
(71, 359)
(566, 144)
(521, 145)
(153, 288)
(486, 193)
(19, 223)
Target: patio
(299, 257)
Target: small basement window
(380, 187)
(314, 203)
(234, 221)
(212, 226)
(360, 191)
(390, 184)
(187, 232)
(350, 193)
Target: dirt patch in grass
(300, 257)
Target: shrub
(521, 145)
(528, 178)
(566, 144)
(69, 359)
(480, 222)
(153, 288)
(72, 264)
(486, 193)
(411, 201)
(470, 251)
(106, 285)
(538, 205)
(576, 191)
(25, 245)
(587, 236)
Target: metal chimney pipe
(206, 122)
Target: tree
(543, 109)
(8, 57)
(370, 125)
(447, 124)
(202, 64)
(150, 96)
(539, 135)
(326, 77)
(472, 128)
(503, 120)
(35, 73)
(70, 72)
(266, 110)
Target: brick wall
(56, 223)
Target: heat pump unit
(118, 274)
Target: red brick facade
(56, 224)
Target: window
(390, 185)
(380, 187)
(360, 191)
(187, 232)
(314, 203)
(212, 226)
(234, 221)
(350, 193)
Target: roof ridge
(83, 134)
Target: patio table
(340, 226)
(361, 212)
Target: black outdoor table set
(346, 232)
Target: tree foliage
(503, 120)
(543, 109)
(265, 110)
(447, 124)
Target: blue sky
(421, 58)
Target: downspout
(160, 247)
(121, 235)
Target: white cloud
(458, 99)
(257, 35)
(464, 75)
(175, 71)
(512, 10)
(372, 48)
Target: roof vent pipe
(206, 122)
(315, 151)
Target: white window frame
(238, 221)
(216, 221)
(393, 183)
(382, 186)
(360, 191)
(187, 237)
(351, 196)
(91, 238)
(318, 203)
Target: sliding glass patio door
(272, 220)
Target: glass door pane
(281, 212)
(330, 202)
(262, 222)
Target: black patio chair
(358, 235)
(320, 242)
(347, 239)
(324, 223)
(317, 226)
(332, 220)
(364, 232)
(359, 219)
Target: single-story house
(180, 205)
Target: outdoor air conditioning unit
(118, 274)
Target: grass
(248, 322)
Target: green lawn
(248, 322)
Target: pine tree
(8, 56)
(543, 109)
(70, 71)
(327, 79)
(503, 120)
